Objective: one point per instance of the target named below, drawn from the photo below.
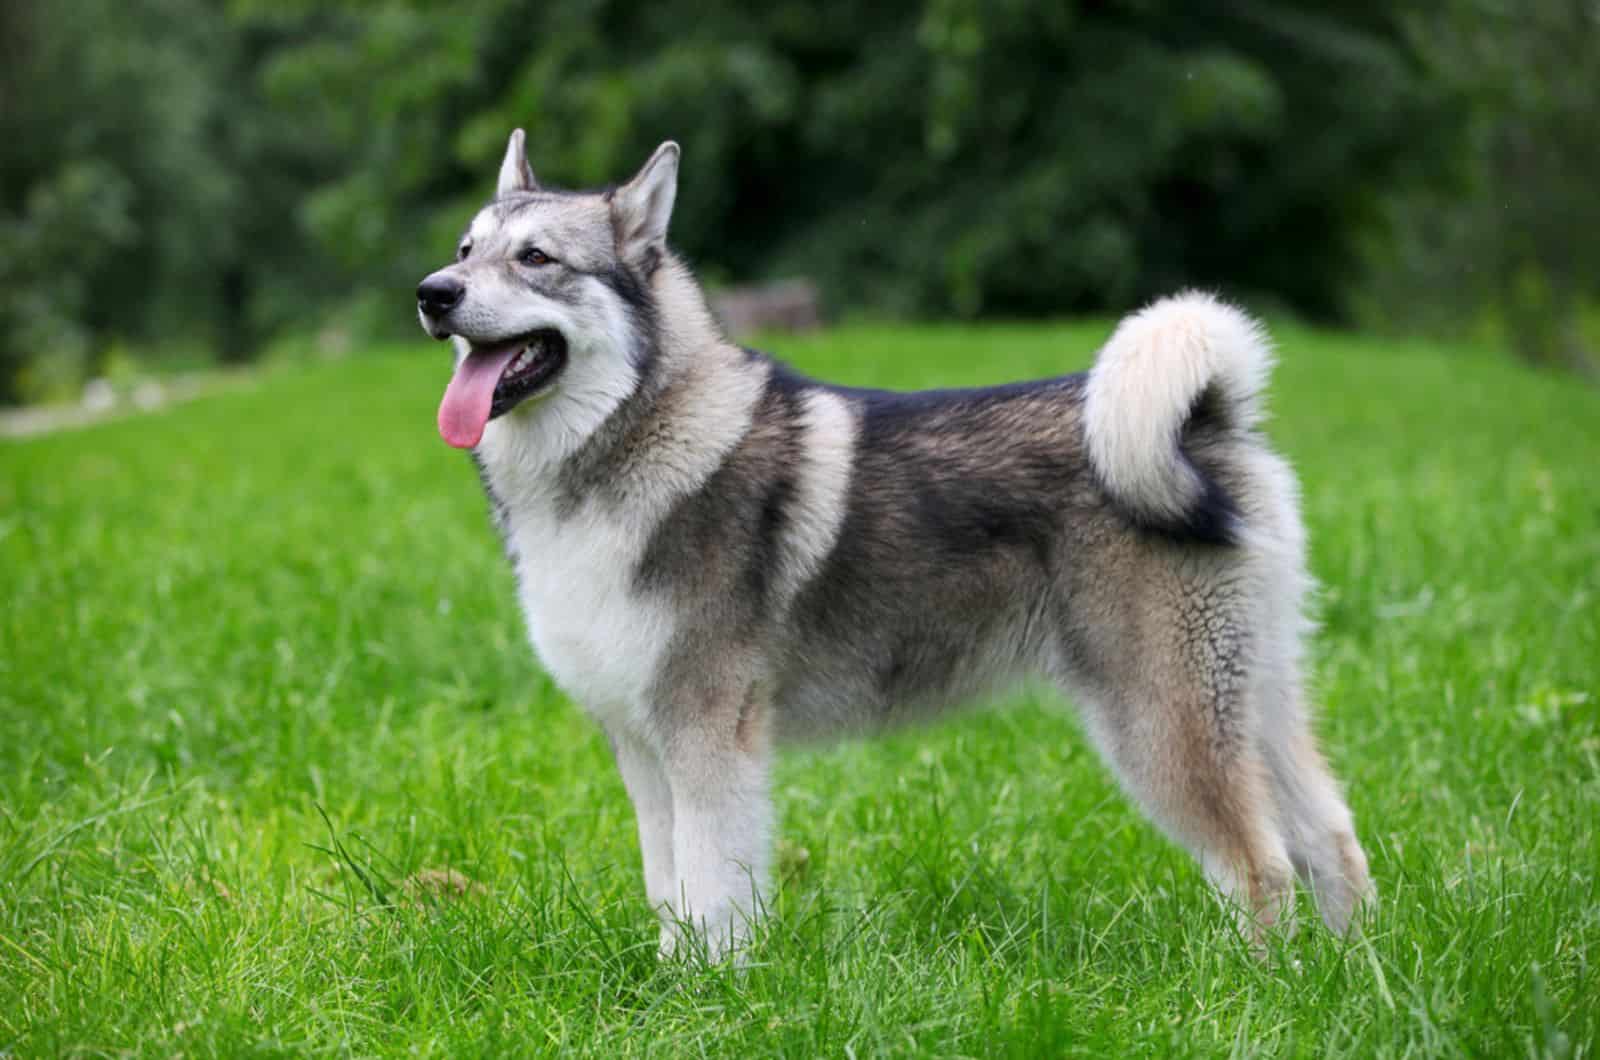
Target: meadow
(279, 775)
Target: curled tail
(1175, 382)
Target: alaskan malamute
(716, 555)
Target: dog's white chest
(598, 637)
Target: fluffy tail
(1176, 378)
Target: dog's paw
(725, 943)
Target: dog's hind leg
(1169, 699)
(1312, 814)
(1212, 796)
(1315, 821)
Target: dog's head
(547, 292)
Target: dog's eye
(535, 256)
(462, 251)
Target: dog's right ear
(641, 208)
(515, 173)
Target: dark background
(187, 181)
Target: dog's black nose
(437, 295)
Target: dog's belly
(597, 638)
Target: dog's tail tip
(1167, 367)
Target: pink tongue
(470, 395)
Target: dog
(716, 555)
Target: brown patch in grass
(440, 885)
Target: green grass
(219, 622)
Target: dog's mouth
(543, 354)
(492, 380)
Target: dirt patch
(101, 403)
(440, 885)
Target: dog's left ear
(641, 208)
(515, 173)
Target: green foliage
(937, 158)
(1509, 230)
(183, 172)
(149, 191)
(179, 170)
(205, 647)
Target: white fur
(722, 821)
(1145, 382)
(704, 837)
(515, 173)
(646, 780)
(598, 637)
(822, 487)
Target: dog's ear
(515, 173)
(641, 208)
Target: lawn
(260, 665)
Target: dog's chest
(600, 639)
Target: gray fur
(718, 555)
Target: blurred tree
(67, 209)
(949, 156)
(146, 185)
(180, 171)
(1511, 231)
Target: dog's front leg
(645, 777)
(717, 766)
